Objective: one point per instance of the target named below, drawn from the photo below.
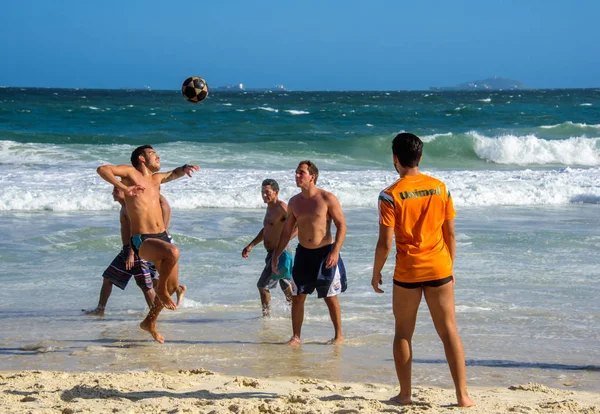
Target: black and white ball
(194, 89)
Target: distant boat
(241, 88)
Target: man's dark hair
(312, 168)
(408, 148)
(272, 183)
(135, 155)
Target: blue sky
(305, 45)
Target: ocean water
(523, 168)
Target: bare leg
(168, 271)
(105, 292)
(265, 300)
(165, 257)
(297, 318)
(150, 296)
(180, 291)
(406, 305)
(335, 313)
(288, 295)
(149, 324)
(440, 301)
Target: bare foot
(180, 292)
(295, 341)
(401, 400)
(166, 300)
(465, 401)
(99, 311)
(151, 327)
(336, 340)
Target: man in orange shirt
(418, 211)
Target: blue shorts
(268, 280)
(310, 273)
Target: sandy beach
(203, 391)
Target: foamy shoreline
(203, 391)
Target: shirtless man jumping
(141, 184)
(317, 264)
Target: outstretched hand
(188, 169)
(134, 190)
(375, 282)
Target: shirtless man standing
(317, 264)
(275, 217)
(141, 184)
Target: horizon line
(275, 90)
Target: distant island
(239, 87)
(490, 84)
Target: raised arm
(111, 172)
(284, 238)
(186, 169)
(382, 251)
(337, 215)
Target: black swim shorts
(429, 283)
(310, 273)
(138, 239)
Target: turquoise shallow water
(523, 168)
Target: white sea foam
(67, 189)
(485, 100)
(529, 149)
(37, 177)
(266, 108)
(476, 309)
(430, 138)
(296, 112)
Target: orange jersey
(416, 207)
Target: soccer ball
(194, 89)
